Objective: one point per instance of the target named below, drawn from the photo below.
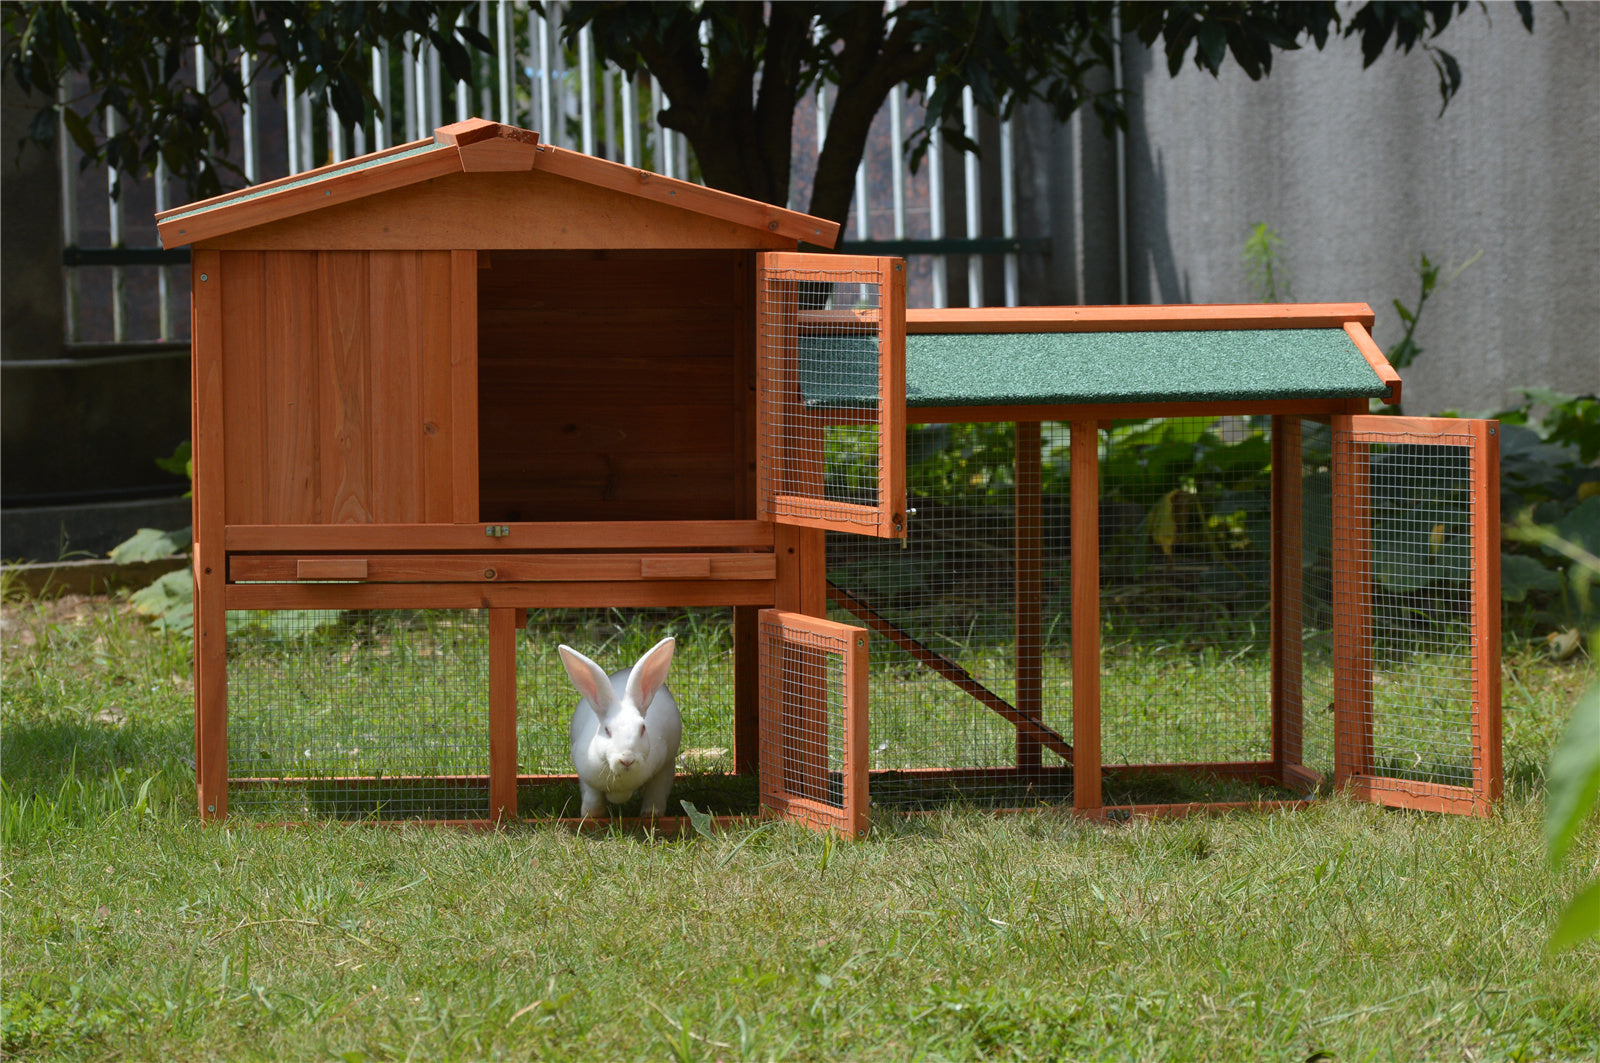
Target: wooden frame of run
(1285, 768)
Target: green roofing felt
(354, 166)
(1067, 368)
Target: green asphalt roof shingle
(1068, 368)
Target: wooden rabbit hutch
(440, 388)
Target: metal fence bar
(409, 91)
(1008, 208)
(969, 123)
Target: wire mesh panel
(701, 680)
(1415, 601)
(358, 713)
(813, 721)
(831, 377)
(971, 672)
(1186, 592)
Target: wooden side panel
(346, 410)
(341, 404)
(241, 352)
(396, 351)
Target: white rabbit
(625, 732)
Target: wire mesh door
(831, 380)
(813, 711)
(1416, 611)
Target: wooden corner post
(1085, 505)
(209, 559)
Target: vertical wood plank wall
(340, 402)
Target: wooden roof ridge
(474, 145)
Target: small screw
(211, 808)
(488, 573)
(203, 277)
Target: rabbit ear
(590, 679)
(648, 675)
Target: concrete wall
(1359, 174)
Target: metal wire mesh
(1315, 678)
(1407, 528)
(1185, 591)
(701, 680)
(803, 699)
(820, 394)
(359, 712)
(948, 609)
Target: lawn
(1341, 932)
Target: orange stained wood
(562, 535)
(210, 483)
(1486, 730)
(1174, 317)
(504, 568)
(1352, 605)
(1085, 521)
(502, 722)
(1375, 358)
(491, 594)
(507, 190)
(339, 405)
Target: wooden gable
(481, 185)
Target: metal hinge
(497, 531)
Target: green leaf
(1573, 777)
(1405, 315)
(150, 544)
(700, 821)
(1579, 920)
(1520, 574)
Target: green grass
(129, 931)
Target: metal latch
(497, 531)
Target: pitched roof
(472, 146)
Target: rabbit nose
(627, 762)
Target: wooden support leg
(503, 629)
(210, 684)
(1085, 456)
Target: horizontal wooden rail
(1169, 318)
(501, 568)
(553, 535)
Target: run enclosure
(1161, 557)
(446, 386)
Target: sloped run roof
(1068, 356)
(1079, 355)
(475, 145)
